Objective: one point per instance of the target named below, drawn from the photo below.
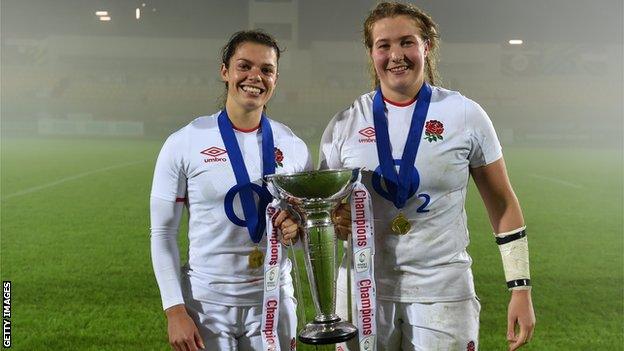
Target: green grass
(575, 236)
(77, 252)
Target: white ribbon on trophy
(271, 299)
(363, 246)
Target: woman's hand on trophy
(342, 221)
(288, 226)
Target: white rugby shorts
(420, 326)
(238, 327)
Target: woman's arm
(505, 216)
(499, 198)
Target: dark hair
(257, 36)
(428, 32)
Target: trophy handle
(349, 254)
(301, 314)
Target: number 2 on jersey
(422, 208)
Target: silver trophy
(313, 196)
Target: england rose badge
(434, 130)
(279, 157)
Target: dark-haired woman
(214, 166)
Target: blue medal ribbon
(398, 185)
(254, 216)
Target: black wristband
(512, 237)
(518, 282)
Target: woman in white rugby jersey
(214, 166)
(435, 138)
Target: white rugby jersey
(430, 262)
(193, 167)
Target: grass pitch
(75, 244)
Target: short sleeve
(485, 146)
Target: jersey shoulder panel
(475, 115)
(180, 142)
(446, 96)
(360, 109)
(479, 126)
(200, 123)
(284, 135)
(281, 130)
(472, 113)
(205, 122)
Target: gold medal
(256, 258)
(400, 224)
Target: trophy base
(332, 332)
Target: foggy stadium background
(85, 105)
(65, 72)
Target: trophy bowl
(313, 196)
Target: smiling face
(251, 76)
(398, 54)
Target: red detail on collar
(246, 130)
(400, 104)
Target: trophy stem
(320, 259)
(320, 254)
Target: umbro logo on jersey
(369, 133)
(214, 153)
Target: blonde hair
(428, 32)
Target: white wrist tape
(514, 249)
